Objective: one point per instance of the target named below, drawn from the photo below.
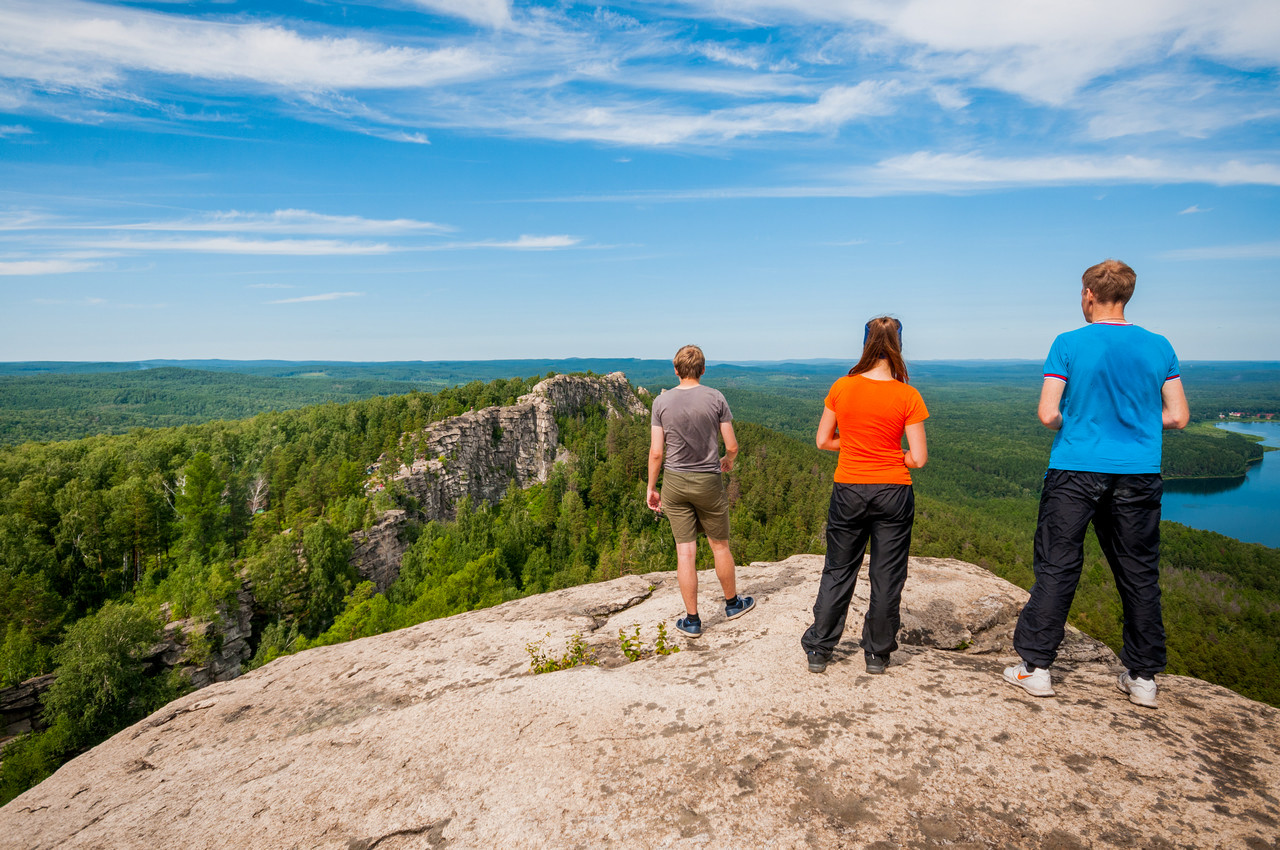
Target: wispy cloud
(490, 13)
(927, 171)
(327, 296)
(1255, 251)
(90, 45)
(284, 221)
(1045, 51)
(42, 267)
(1193, 209)
(74, 302)
(524, 243)
(235, 245)
(11, 130)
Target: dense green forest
(104, 538)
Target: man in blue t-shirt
(1110, 389)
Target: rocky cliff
(438, 736)
(201, 651)
(478, 454)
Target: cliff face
(437, 735)
(479, 454)
(205, 652)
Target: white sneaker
(1141, 691)
(1038, 683)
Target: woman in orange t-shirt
(866, 414)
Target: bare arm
(1051, 402)
(730, 446)
(827, 438)
(657, 443)
(917, 453)
(1173, 402)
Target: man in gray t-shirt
(688, 422)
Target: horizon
(396, 180)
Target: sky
(484, 179)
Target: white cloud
(925, 171)
(400, 136)
(89, 45)
(61, 302)
(632, 124)
(737, 57)
(234, 245)
(1043, 50)
(40, 267)
(489, 13)
(11, 130)
(524, 243)
(1193, 209)
(536, 243)
(965, 173)
(1255, 251)
(1186, 104)
(286, 221)
(327, 296)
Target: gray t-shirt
(690, 421)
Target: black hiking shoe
(877, 663)
(817, 661)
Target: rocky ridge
(480, 453)
(437, 736)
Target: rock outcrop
(201, 651)
(438, 736)
(479, 454)
(21, 707)
(204, 651)
(376, 553)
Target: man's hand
(655, 500)
(726, 464)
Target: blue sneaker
(737, 606)
(689, 626)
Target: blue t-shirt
(1112, 417)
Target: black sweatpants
(881, 514)
(1125, 512)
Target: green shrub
(576, 654)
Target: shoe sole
(877, 671)
(817, 668)
(688, 634)
(1134, 699)
(740, 613)
(1035, 693)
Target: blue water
(1246, 509)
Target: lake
(1246, 509)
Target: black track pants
(881, 514)
(1125, 512)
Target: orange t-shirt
(870, 417)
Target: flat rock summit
(439, 736)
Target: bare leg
(687, 574)
(725, 570)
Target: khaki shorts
(695, 502)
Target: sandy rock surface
(437, 736)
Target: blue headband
(866, 333)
